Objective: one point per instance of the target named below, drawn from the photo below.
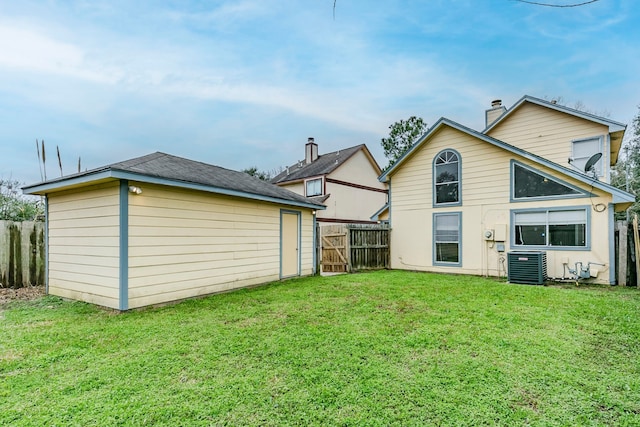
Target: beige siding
(296, 187)
(358, 170)
(548, 133)
(354, 203)
(485, 205)
(186, 243)
(348, 202)
(84, 244)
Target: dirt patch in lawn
(21, 294)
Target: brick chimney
(494, 113)
(310, 151)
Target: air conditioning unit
(528, 267)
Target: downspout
(123, 300)
(389, 202)
(612, 246)
(46, 244)
(299, 243)
(315, 244)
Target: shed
(161, 228)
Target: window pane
(551, 228)
(447, 252)
(447, 193)
(447, 178)
(586, 148)
(567, 235)
(528, 218)
(531, 235)
(447, 173)
(582, 150)
(447, 238)
(314, 187)
(567, 217)
(527, 183)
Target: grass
(382, 348)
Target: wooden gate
(345, 248)
(333, 241)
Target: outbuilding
(161, 228)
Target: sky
(244, 83)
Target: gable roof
(323, 165)
(619, 196)
(165, 169)
(612, 124)
(616, 129)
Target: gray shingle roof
(170, 169)
(323, 165)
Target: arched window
(446, 178)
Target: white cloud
(29, 50)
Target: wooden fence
(627, 253)
(345, 248)
(368, 246)
(22, 254)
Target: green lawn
(382, 348)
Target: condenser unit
(529, 267)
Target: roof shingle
(323, 165)
(177, 169)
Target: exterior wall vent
(528, 267)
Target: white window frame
(579, 161)
(313, 180)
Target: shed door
(290, 238)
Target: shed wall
(186, 243)
(83, 227)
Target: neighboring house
(346, 181)
(461, 200)
(161, 228)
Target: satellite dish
(591, 162)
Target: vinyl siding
(358, 170)
(187, 243)
(485, 183)
(84, 243)
(549, 133)
(352, 203)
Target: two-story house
(345, 181)
(535, 179)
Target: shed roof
(165, 169)
(323, 165)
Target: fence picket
(22, 254)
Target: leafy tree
(401, 137)
(253, 171)
(14, 206)
(626, 173)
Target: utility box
(528, 267)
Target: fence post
(621, 227)
(636, 240)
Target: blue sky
(244, 83)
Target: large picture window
(529, 184)
(447, 238)
(446, 180)
(551, 228)
(314, 187)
